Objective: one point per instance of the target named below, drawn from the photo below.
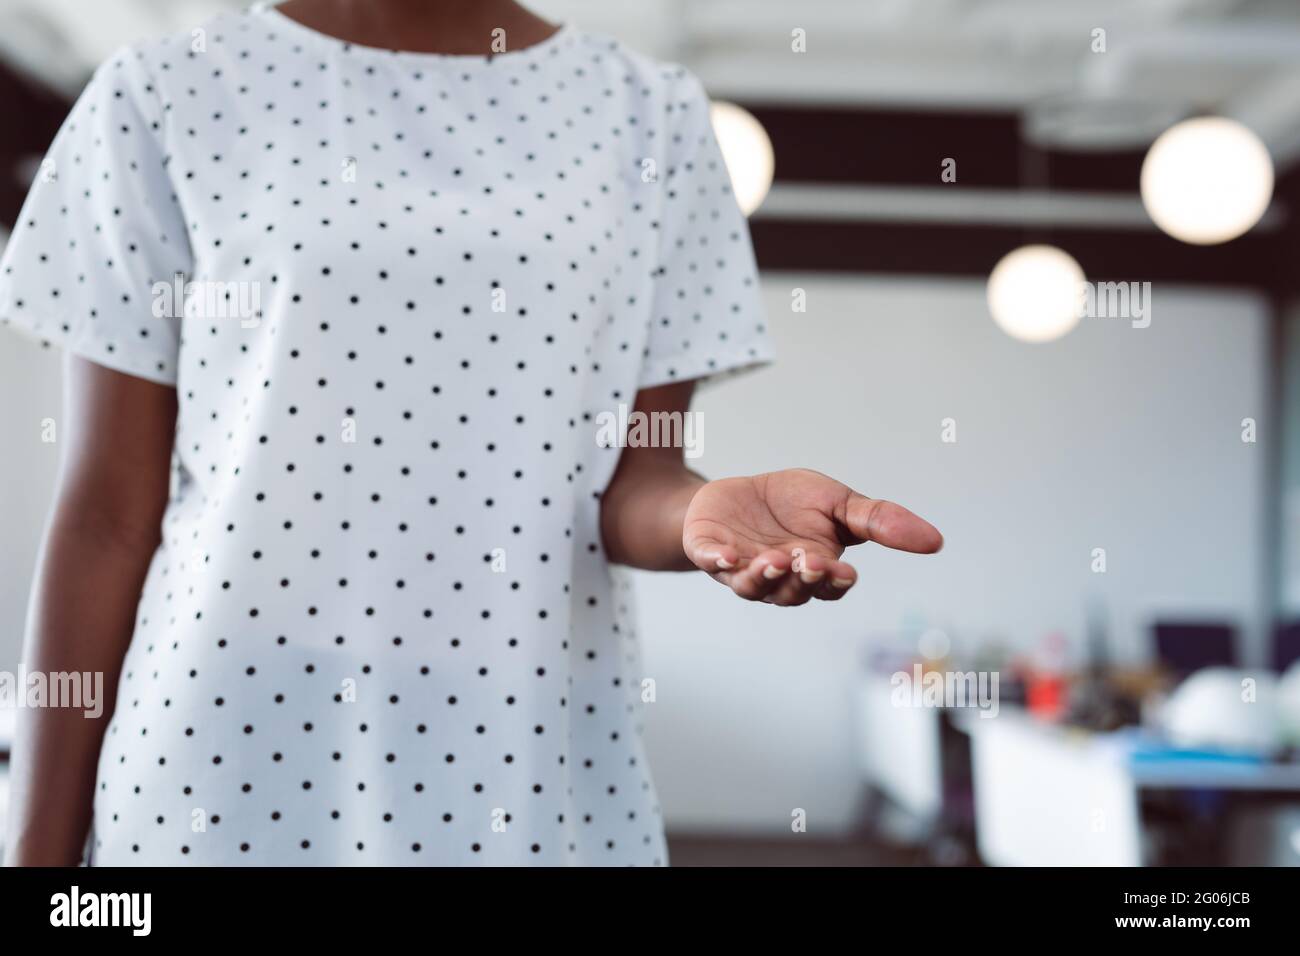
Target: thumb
(891, 525)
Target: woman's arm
(643, 508)
(775, 537)
(104, 527)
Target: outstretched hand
(778, 537)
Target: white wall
(1114, 437)
(30, 384)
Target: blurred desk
(1047, 795)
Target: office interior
(1102, 667)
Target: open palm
(778, 537)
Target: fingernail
(841, 583)
(772, 572)
(724, 564)
(811, 577)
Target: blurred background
(1031, 270)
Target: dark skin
(776, 537)
(101, 534)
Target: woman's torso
(379, 628)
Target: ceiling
(894, 82)
(1238, 57)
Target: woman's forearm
(102, 533)
(642, 512)
(643, 509)
(83, 613)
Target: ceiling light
(747, 151)
(1034, 293)
(1207, 180)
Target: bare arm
(645, 504)
(104, 527)
(775, 537)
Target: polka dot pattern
(380, 628)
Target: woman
(370, 618)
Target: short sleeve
(707, 312)
(99, 229)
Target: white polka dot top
(394, 292)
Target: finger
(712, 556)
(789, 592)
(891, 525)
(809, 571)
(761, 575)
(840, 577)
